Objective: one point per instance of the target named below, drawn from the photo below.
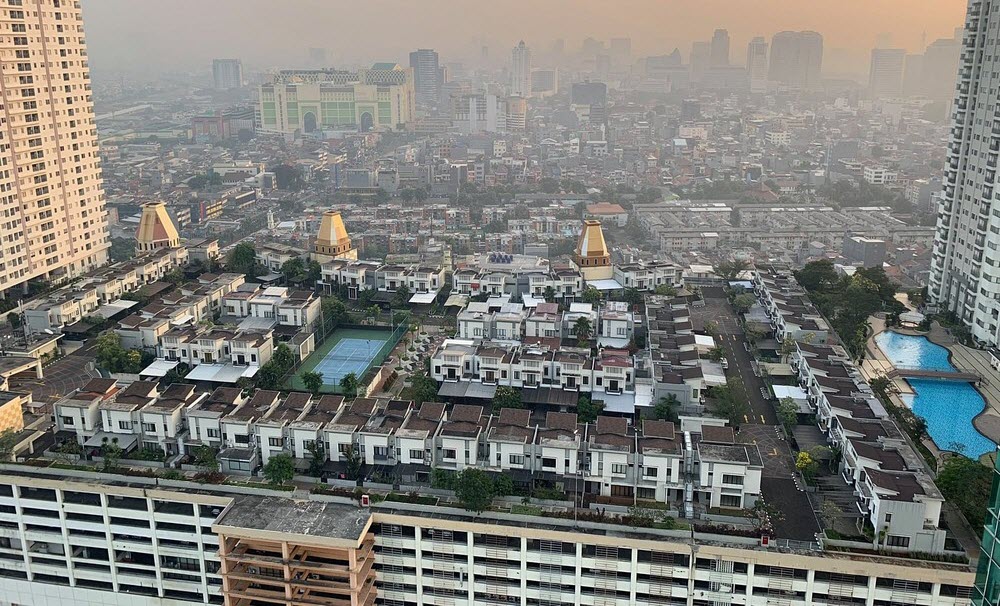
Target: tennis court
(346, 351)
(347, 356)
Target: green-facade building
(379, 98)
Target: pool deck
(965, 359)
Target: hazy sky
(187, 34)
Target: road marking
(762, 420)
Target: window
(125, 425)
(416, 454)
(619, 469)
(729, 500)
(67, 421)
(381, 451)
(241, 439)
(275, 442)
(549, 463)
(149, 427)
(448, 453)
(736, 480)
(650, 472)
(516, 459)
(897, 541)
(212, 433)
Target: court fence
(394, 336)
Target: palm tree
(549, 294)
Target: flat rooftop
(291, 516)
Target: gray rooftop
(290, 516)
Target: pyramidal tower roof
(156, 228)
(591, 243)
(332, 240)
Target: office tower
(913, 75)
(53, 224)
(719, 49)
(478, 112)
(544, 82)
(757, 64)
(520, 80)
(227, 73)
(517, 113)
(885, 76)
(427, 75)
(987, 589)
(939, 73)
(796, 59)
(963, 279)
(589, 93)
(380, 97)
(701, 57)
(621, 50)
(591, 47)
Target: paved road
(61, 377)
(739, 360)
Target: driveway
(61, 377)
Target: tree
(806, 465)
(293, 271)
(313, 381)
(206, 458)
(402, 296)
(731, 401)
(632, 296)
(549, 294)
(583, 329)
(716, 354)
(175, 276)
(712, 328)
(788, 413)
(280, 468)
(817, 275)
(506, 397)
(111, 452)
(283, 356)
(317, 457)
(349, 385)
(730, 270)
(474, 489)
(666, 408)
(966, 483)
(112, 357)
(424, 388)
(763, 515)
(587, 410)
(354, 462)
(666, 290)
(503, 485)
(591, 295)
(742, 303)
(8, 440)
(829, 513)
(243, 260)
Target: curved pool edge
(975, 421)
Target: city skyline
(654, 27)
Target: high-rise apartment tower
(53, 223)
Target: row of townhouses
(896, 496)
(700, 462)
(423, 282)
(72, 303)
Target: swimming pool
(947, 406)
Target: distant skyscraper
(520, 80)
(939, 73)
(701, 56)
(913, 75)
(227, 73)
(796, 59)
(621, 50)
(55, 224)
(427, 75)
(720, 49)
(963, 275)
(757, 64)
(885, 76)
(544, 82)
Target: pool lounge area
(948, 406)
